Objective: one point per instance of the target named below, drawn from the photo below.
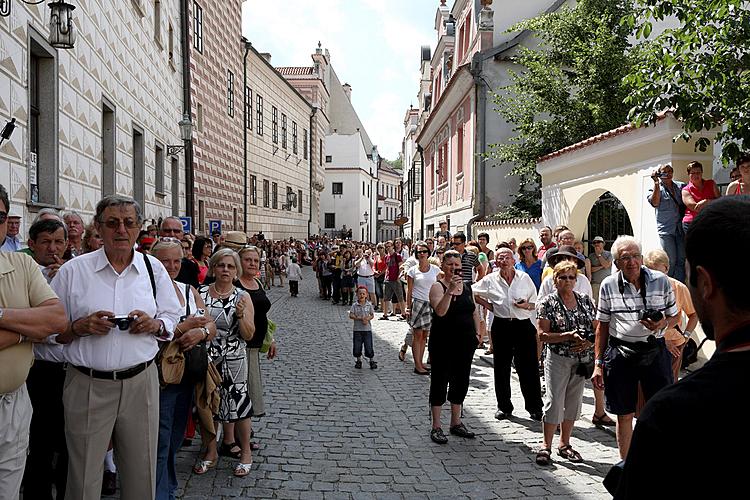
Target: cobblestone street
(332, 431)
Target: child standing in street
(362, 313)
(294, 274)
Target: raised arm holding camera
(666, 198)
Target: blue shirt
(534, 271)
(12, 244)
(670, 209)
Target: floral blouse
(563, 319)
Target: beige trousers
(126, 411)
(254, 382)
(15, 418)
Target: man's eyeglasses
(567, 278)
(3, 217)
(627, 258)
(128, 223)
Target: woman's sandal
(242, 470)
(202, 466)
(402, 353)
(544, 456)
(569, 453)
(225, 450)
(603, 420)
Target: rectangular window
(330, 220)
(460, 154)
(259, 114)
(139, 178)
(274, 195)
(320, 152)
(157, 22)
(170, 43)
(201, 217)
(363, 188)
(304, 143)
(329, 159)
(299, 201)
(248, 108)
(274, 124)
(253, 190)
(159, 168)
(43, 122)
(197, 27)
(289, 199)
(108, 147)
(230, 93)
(294, 137)
(283, 130)
(265, 193)
(337, 188)
(234, 219)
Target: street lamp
(186, 134)
(62, 31)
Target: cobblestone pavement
(332, 431)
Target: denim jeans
(175, 402)
(365, 338)
(674, 246)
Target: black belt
(369, 276)
(507, 319)
(116, 375)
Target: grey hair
(116, 200)
(622, 242)
(46, 211)
(220, 254)
(165, 245)
(4, 197)
(167, 218)
(71, 213)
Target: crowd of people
(116, 342)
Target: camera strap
(642, 282)
(150, 275)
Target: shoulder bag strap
(187, 299)
(150, 274)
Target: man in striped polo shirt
(636, 305)
(469, 261)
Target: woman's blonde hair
(563, 267)
(655, 257)
(165, 245)
(248, 248)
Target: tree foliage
(566, 90)
(700, 70)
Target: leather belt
(368, 276)
(115, 375)
(507, 319)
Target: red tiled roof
(597, 138)
(295, 70)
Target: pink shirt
(707, 193)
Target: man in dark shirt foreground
(691, 439)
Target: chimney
(348, 91)
(266, 56)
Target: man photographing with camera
(666, 197)
(636, 305)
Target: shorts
(393, 289)
(621, 378)
(421, 315)
(368, 282)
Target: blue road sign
(214, 225)
(187, 224)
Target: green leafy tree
(699, 70)
(567, 89)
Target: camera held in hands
(651, 315)
(122, 322)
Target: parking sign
(187, 224)
(213, 226)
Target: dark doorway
(608, 219)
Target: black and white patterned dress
(228, 353)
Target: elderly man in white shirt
(120, 305)
(511, 296)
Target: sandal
(202, 466)
(225, 450)
(544, 456)
(242, 470)
(402, 353)
(603, 420)
(568, 452)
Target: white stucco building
(389, 202)
(95, 119)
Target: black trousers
(293, 287)
(336, 286)
(450, 371)
(47, 433)
(514, 341)
(326, 282)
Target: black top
(262, 305)
(188, 273)
(457, 326)
(692, 436)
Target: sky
(374, 46)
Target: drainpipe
(480, 140)
(421, 198)
(187, 109)
(244, 135)
(310, 158)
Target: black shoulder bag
(196, 359)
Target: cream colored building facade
(97, 118)
(279, 155)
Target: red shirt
(392, 262)
(707, 193)
(543, 249)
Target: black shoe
(384, 317)
(358, 364)
(426, 372)
(536, 416)
(109, 483)
(460, 430)
(502, 415)
(373, 365)
(438, 436)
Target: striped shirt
(468, 262)
(622, 308)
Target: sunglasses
(128, 223)
(422, 252)
(527, 248)
(3, 217)
(567, 278)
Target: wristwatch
(599, 362)
(687, 334)
(2, 312)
